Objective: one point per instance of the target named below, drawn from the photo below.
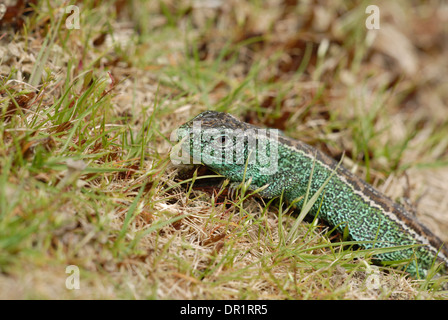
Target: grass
(85, 172)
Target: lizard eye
(223, 141)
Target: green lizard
(243, 152)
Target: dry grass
(85, 176)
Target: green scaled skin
(226, 145)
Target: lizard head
(226, 145)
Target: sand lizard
(347, 202)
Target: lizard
(290, 168)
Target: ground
(90, 96)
